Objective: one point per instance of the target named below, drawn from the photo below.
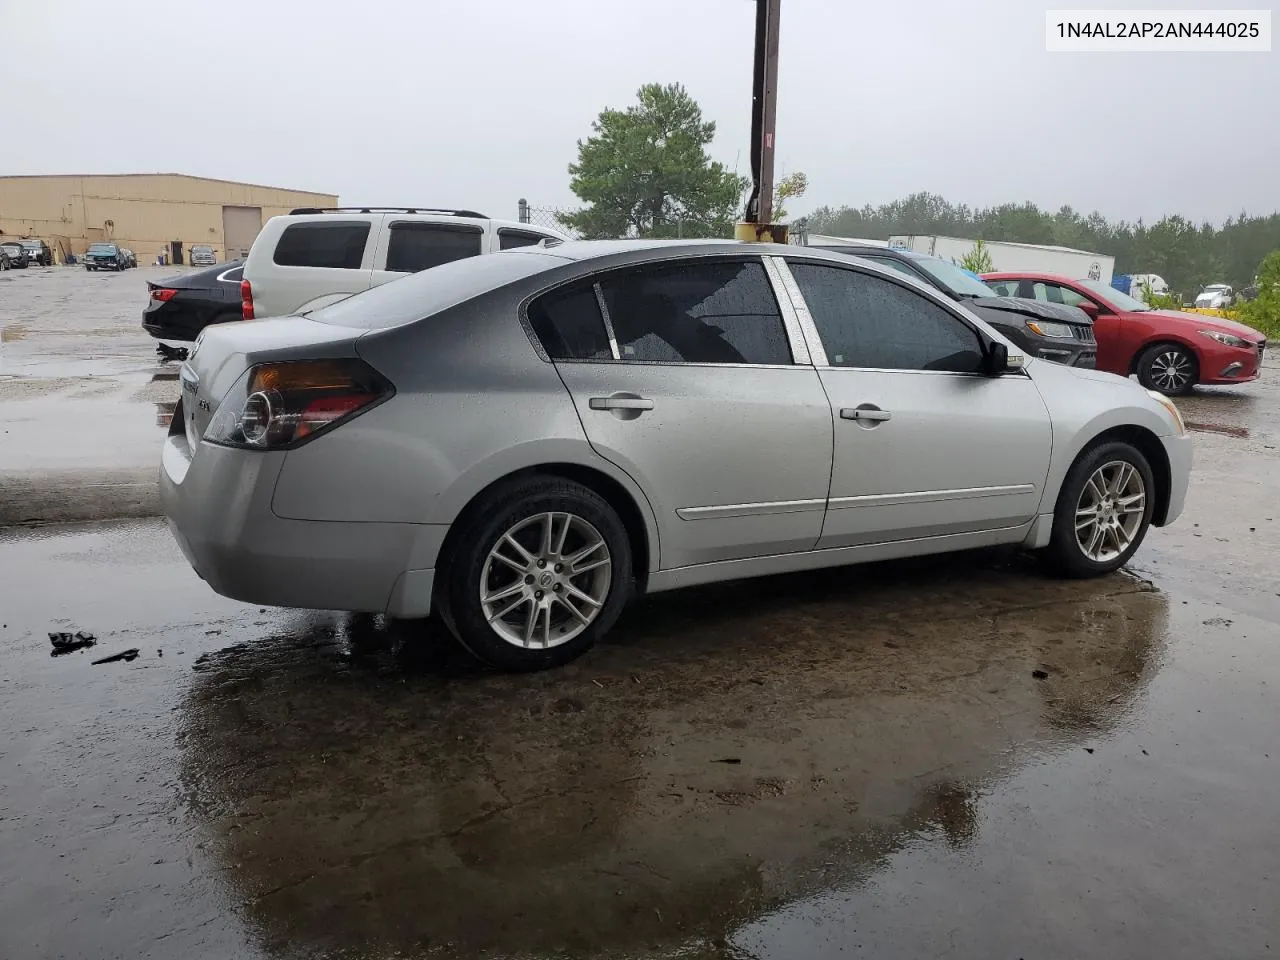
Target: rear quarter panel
(474, 403)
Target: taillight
(275, 405)
(163, 294)
(246, 300)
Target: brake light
(246, 300)
(274, 405)
(163, 294)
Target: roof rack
(453, 213)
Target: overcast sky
(478, 103)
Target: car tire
(1101, 485)
(582, 523)
(1169, 368)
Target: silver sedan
(520, 443)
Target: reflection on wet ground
(732, 750)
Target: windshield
(1109, 294)
(31, 244)
(102, 248)
(953, 278)
(11, 246)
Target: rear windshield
(102, 248)
(31, 244)
(428, 292)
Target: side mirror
(1088, 309)
(999, 361)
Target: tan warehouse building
(146, 212)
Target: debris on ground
(64, 642)
(167, 352)
(1040, 674)
(728, 760)
(126, 655)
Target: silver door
(918, 452)
(734, 457)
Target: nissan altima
(520, 443)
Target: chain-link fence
(545, 217)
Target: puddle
(1221, 428)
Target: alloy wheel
(1171, 370)
(545, 580)
(1110, 510)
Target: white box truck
(1076, 264)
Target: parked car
(522, 441)
(1051, 331)
(17, 254)
(1168, 350)
(314, 257)
(179, 307)
(38, 252)
(131, 259)
(105, 256)
(203, 256)
(4, 259)
(1216, 296)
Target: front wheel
(540, 572)
(1169, 368)
(1104, 509)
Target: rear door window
(696, 311)
(420, 246)
(570, 326)
(332, 244)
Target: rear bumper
(218, 504)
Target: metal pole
(764, 109)
(524, 210)
(769, 106)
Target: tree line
(1188, 256)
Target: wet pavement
(952, 757)
(81, 390)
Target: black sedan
(180, 307)
(1051, 331)
(16, 255)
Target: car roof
(585, 250)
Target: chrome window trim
(804, 319)
(608, 321)
(790, 315)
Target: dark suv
(105, 256)
(15, 255)
(38, 252)
(1050, 331)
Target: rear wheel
(540, 572)
(1169, 368)
(1103, 511)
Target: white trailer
(1076, 264)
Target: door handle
(620, 403)
(865, 414)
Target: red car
(1169, 350)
